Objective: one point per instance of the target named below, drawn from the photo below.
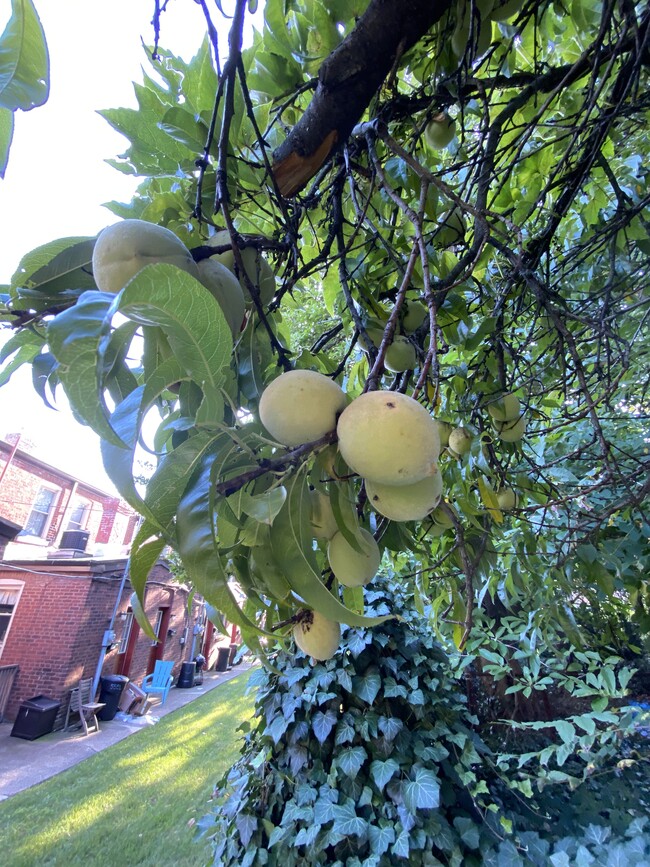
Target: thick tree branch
(347, 81)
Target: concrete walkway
(26, 763)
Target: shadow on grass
(131, 804)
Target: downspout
(109, 634)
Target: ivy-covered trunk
(369, 758)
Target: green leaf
(343, 500)
(145, 552)
(366, 687)
(291, 541)
(346, 821)
(263, 507)
(197, 547)
(75, 337)
(57, 266)
(24, 60)
(423, 792)
(322, 724)
(192, 320)
(141, 618)
(26, 345)
(351, 759)
(566, 731)
(382, 772)
(380, 838)
(6, 137)
(489, 500)
(468, 830)
(182, 126)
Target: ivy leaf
(351, 759)
(380, 838)
(346, 821)
(367, 687)
(422, 793)
(322, 724)
(345, 732)
(382, 772)
(246, 825)
(323, 811)
(277, 728)
(390, 727)
(468, 830)
(24, 60)
(401, 847)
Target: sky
(57, 180)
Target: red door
(160, 628)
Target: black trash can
(187, 675)
(35, 717)
(223, 655)
(111, 687)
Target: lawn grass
(133, 803)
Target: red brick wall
(58, 626)
(109, 519)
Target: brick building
(54, 616)
(53, 508)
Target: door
(160, 628)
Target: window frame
(15, 587)
(156, 629)
(127, 626)
(79, 502)
(56, 492)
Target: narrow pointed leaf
(196, 545)
(24, 59)
(6, 137)
(145, 552)
(141, 618)
(291, 541)
(75, 337)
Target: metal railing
(7, 676)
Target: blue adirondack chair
(160, 681)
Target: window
(39, 518)
(127, 623)
(9, 595)
(79, 515)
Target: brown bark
(347, 81)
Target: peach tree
(380, 304)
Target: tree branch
(347, 81)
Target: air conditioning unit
(75, 540)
